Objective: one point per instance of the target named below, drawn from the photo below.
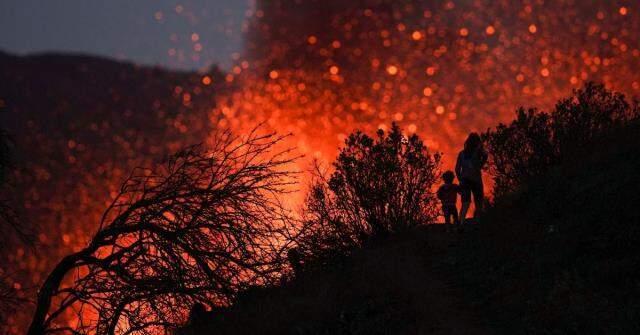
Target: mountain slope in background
(79, 125)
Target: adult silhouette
(469, 166)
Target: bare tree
(198, 228)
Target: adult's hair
(472, 143)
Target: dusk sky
(149, 32)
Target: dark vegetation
(10, 227)
(556, 253)
(559, 252)
(196, 229)
(208, 225)
(378, 186)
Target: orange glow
(323, 77)
(544, 72)
(430, 71)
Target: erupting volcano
(323, 68)
(316, 68)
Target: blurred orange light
(430, 71)
(544, 72)
(206, 80)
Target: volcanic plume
(324, 68)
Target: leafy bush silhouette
(536, 141)
(562, 228)
(380, 185)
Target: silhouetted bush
(379, 185)
(536, 141)
(559, 248)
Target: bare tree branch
(198, 228)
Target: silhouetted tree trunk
(196, 229)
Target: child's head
(448, 177)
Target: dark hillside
(557, 254)
(394, 287)
(563, 257)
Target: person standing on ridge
(448, 195)
(469, 166)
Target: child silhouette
(448, 195)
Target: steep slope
(397, 286)
(561, 257)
